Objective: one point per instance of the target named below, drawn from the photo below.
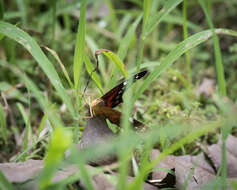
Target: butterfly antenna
(90, 75)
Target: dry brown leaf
(97, 132)
(192, 169)
(196, 171)
(214, 152)
(21, 171)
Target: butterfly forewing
(114, 96)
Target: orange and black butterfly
(103, 106)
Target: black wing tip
(141, 74)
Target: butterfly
(103, 106)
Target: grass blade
(123, 48)
(80, 45)
(180, 49)
(138, 181)
(155, 20)
(115, 59)
(44, 103)
(23, 9)
(30, 44)
(185, 36)
(27, 125)
(125, 42)
(3, 124)
(54, 53)
(112, 15)
(146, 13)
(4, 183)
(55, 154)
(90, 68)
(1, 10)
(218, 58)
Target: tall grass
(185, 35)
(125, 143)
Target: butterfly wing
(114, 96)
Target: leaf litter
(191, 172)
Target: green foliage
(55, 154)
(41, 99)
(80, 45)
(4, 184)
(3, 124)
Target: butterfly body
(103, 106)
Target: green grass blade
(146, 13)
(80, 45)
(45, 105)
(85, 175)
(30, 44)
(222, 89)
(1, 10)
(4, 183)
(55, 155)
(94, 76)
(175, 19)
(185, 35)
(3, 124)
(53, 4)
(123, 25)
(27, 125)
(123, 47)
(41, 125)
(218, 57)
(55, 55)
(112, 15)
(115, 59)
(180, 49)
(125, 42)
(79, 54)
(93, 46)
(137, 182)
(23, 9)
(156, 19)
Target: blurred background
(178, 94)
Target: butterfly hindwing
(114, 96)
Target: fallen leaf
(191, 169)
(21, 171)
(214, 152)
(97, 132)
(193, 172)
